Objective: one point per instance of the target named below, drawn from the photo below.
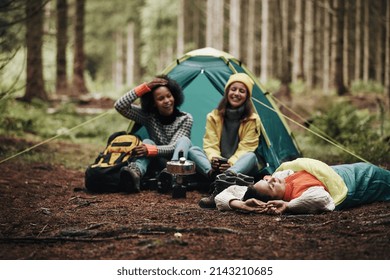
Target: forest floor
(47, 214)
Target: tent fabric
(203, 74)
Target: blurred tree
(62, 42)
(234, 28)
(215, 24)
(358, 39)
(326, 47)
(34, 39)
(387, 54)
(79, 86)
(297, 69)
(265, 26)
(337, 47)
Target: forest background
(327, 63)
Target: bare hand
(216, 165)
(250, 205)
(276, 207)
(140, 151)
(157, 82)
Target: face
(272, 187)
(237, 94)
(164, 101)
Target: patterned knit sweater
(165, 136)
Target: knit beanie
(242, 78)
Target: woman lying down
(306, 185)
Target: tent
(203, 74)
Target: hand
(140, 151)
(250, 205)
(216, 165)
(157, 82)
(276, 207)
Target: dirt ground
(46, 214)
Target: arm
(313, 200)
(183, 129)
(125, 106)
(223, 199)
(212, 136)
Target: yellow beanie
(242, 78)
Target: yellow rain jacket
(248, 133)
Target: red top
(299, 182)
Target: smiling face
(237, 94)
(272, 187)
(164, 101)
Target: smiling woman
(168, 128)
(231, 137)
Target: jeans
(183, 144)
(246, 164)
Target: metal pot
(181, 167)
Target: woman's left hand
(140, 151)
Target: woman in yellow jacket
(231, 137)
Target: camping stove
(179, 169)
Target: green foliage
(366, 87)
(19, 119)
(355, 130)
(158, 34)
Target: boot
(218, 185)
(165, 180)
(244, 180)
(130, 178)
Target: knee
(148, 141)
(184, 140)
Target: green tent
(203, 74)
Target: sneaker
(130, 178)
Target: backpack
(104, 174)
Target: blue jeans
(246, 164)
(182, 144)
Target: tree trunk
(326, 50)
(366, 45)
(180, 29)
(297, 71)
(337, 47)
(62, 42)
(309, 45)
(130, 55)
(358, 39)
(264, 40)
(379, 37)
(346, 45)
(79, 86)
(234, 28)
(387, 53)
(250, 47)
(215, 19)
(34, 39)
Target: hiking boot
(130, 178)
(244, 180)
(218, 185)
(165, 180)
